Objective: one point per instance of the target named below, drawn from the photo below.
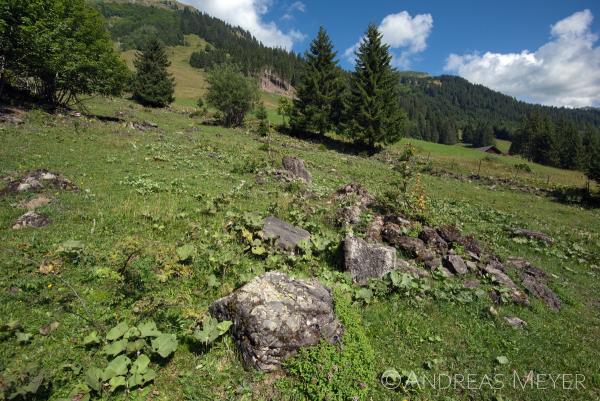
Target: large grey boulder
(296, 167)
(274, 315)
(367, 260)
(286, 236)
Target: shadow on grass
(349, 148)
(577, 196)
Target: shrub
(523, 167)
(232, 93)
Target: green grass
(185, 183)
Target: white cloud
(563, 72)
(296, 6)
(402, 32)
(248, 14)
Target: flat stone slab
(367, 260)
(287, 237)
(274, 316)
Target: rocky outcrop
(274, 315)
(365, 260)
(296, 168)
(286, 236)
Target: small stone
(493, 311)
(364, 260)
(286, 236)
(296, 167)
(472, 266)
(515, 322)
(455, 264)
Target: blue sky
(540, 51)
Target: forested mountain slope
(131, 24)
(438, 104)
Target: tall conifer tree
(376, 117)
(317, 103)
(153, 85)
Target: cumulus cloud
(563, 72)
(405, 35)
(249, 14)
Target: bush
(337, 372)
(232, 93)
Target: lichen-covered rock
(31, 219)
(286, 236)
(274, 315)
(367, 260)
(296, 167)
(455, 264)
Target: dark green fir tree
(376, 117)
(152, 84)
(317, 104)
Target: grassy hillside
(184, 183)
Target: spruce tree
(376, 116)
(318, 94)
(153, 85)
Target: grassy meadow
(186, 183)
